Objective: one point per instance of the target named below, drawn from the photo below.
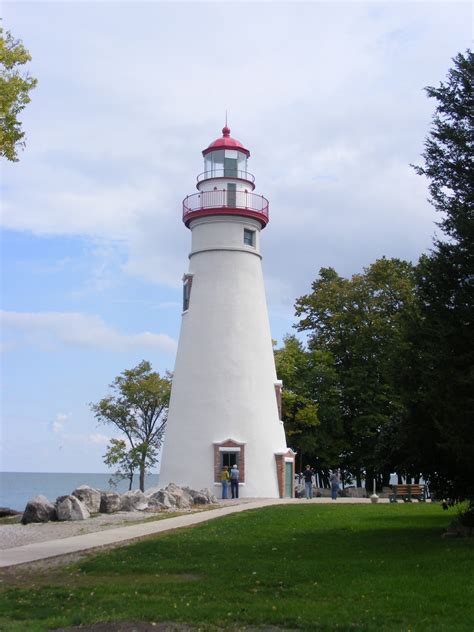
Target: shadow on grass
(308, 567)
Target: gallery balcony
(228, 174)
(225, 202)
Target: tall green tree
(444, 406)
(311, 404)
(139, 409)
(15, 87)
(361, 323)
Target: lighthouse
(225, 405)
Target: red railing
(231, 201)
(226, 173)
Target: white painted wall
(224, 377)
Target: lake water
(16, 488)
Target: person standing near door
(335, 480)
(234, 481)
(225, 477)
(308, 482)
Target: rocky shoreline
(87, 510)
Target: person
(334, 480)
(234, 481)
(225, 477)
(308, 482)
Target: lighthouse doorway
(231, 194)
(288, 480)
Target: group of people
(334, 481)
(231, 477)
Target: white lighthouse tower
(225, 399)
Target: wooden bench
(408, 493)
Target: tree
(125, 460)
(360, 322)
(310, 403)
(139, 409)
(14, 94)
(444, 405)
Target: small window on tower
(249, 237)
(187, 283)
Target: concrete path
(54, 548)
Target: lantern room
(226, 157)
(225, 186)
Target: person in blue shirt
(234, 481)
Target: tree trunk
(142, 477)
(369, 480)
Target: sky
(328, 97)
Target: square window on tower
(249, 237)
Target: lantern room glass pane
(217, 161)
(241, 161)
(230, 167)
(208, 163)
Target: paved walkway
(54, 548)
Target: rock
(155, 505)
(134, 501)
(39, 509)
(71, 508)
(89, 496)
(6, 511)
(175, 497)
(110, 502)
(179, 496)
(172, 497)
(202, 497)
(162, 498)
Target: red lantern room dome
(226, 142)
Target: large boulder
(134, 501)
(202, 497)
(71, 508)
(155, 505)
(172, 497)
(39, 509)
(110, 502)
(89, 496)
(161, 499)
(179, 496)
(175, 497)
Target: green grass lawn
(307, 567)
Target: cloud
(58, 423)
(97, 439)
(328, 121)
(50, 330)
